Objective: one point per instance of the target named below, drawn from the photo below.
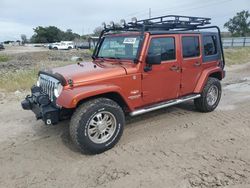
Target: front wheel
(97, 125)
(210, 96)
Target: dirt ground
(176, 147)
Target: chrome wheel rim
(101, 127)
(212, 95)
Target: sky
(83, 16)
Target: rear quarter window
(210, 47)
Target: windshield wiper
(106, 58)
(109, 58)
(101, 58)
(113, 57)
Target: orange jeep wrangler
(137, 67)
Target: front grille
(48, 84)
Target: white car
(63, 45)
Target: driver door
(163, 81)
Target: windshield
(120, 47)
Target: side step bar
(164, 104)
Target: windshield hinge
(143, 76)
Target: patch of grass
(237, 55)
(4, 58)
(20, 80)
(24, 79)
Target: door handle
(174, 68)
(197, 64)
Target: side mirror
(153, 59)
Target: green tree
(52, 34)
(239, 25)
(46, 34)
(69, 35)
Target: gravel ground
(175, 147)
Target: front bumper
(40, 104)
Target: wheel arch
(213, 72)
(115, 96)
(72, 98)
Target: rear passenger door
(191, 62)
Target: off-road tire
(80, 121)
(201, 103)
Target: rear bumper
(40, 104)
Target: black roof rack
(168, 22)
(171, 22)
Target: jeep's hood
(89, 71)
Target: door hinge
(180, 85)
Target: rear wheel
(210, 96)
(97, 125)
(55, 48)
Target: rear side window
(210, 47)
(190, 46)
(164, 47)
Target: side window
(190, 46)
(210, 47)
(164, 47)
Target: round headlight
(38, 82)
(58, 90)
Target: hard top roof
(158, 32)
